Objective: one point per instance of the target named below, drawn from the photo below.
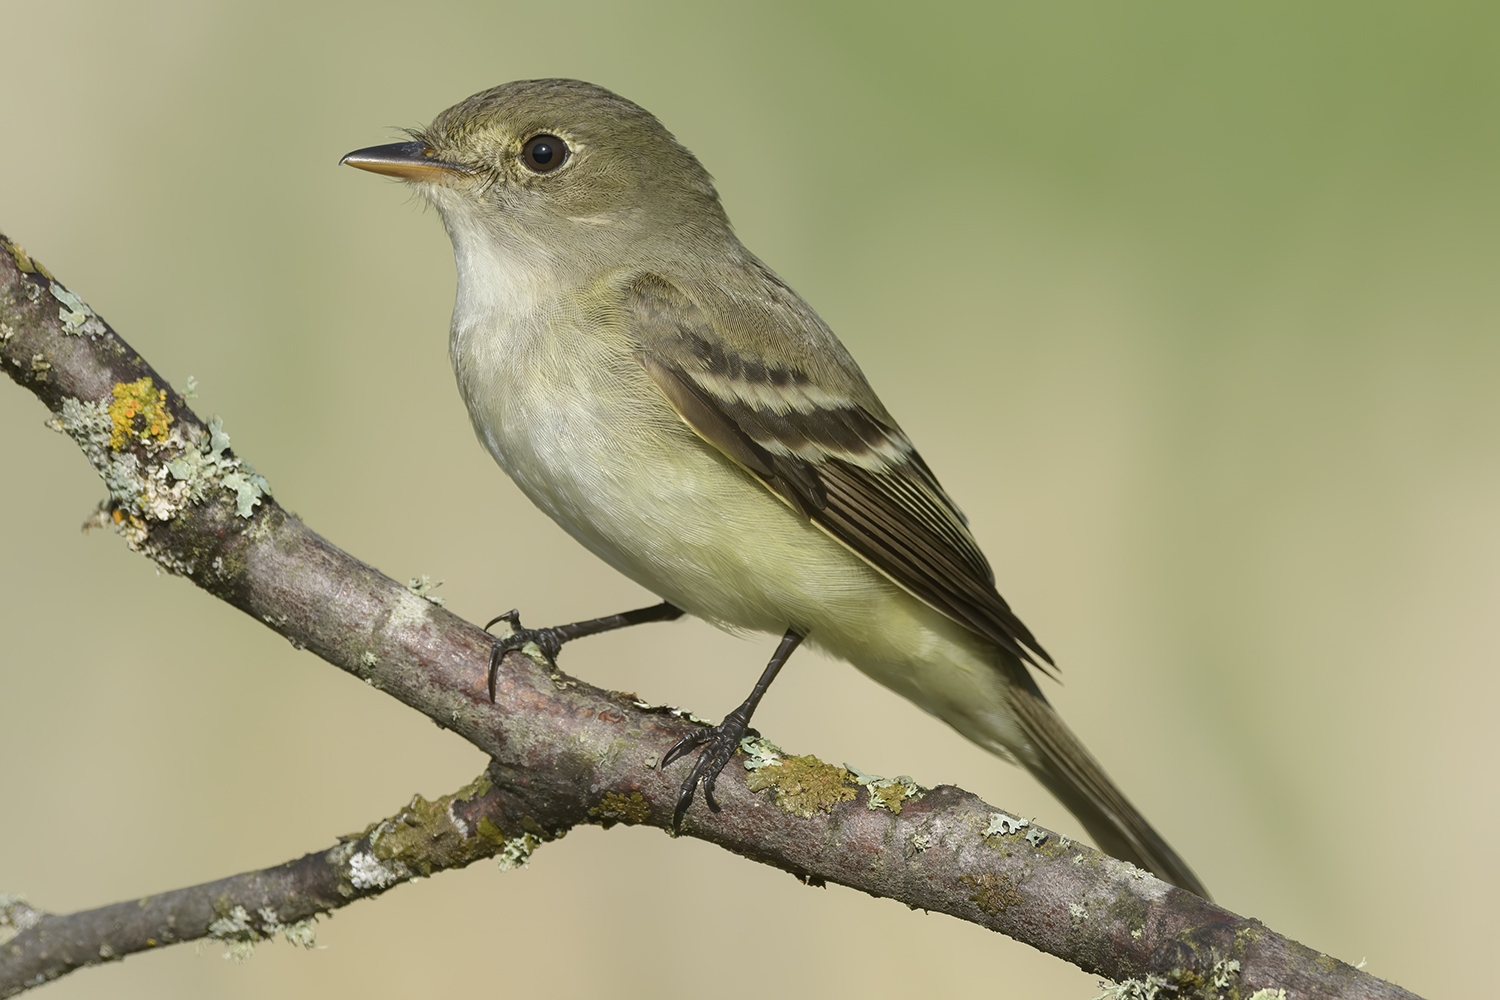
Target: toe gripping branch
(550, 640)
(547, 640)
(720, 742)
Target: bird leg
(550, 640)
(720, 742)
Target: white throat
(501, 280)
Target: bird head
(560, 170)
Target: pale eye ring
(544, 153)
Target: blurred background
(1193, 307)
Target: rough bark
(563, 752)
(243, 910)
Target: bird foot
(548, 640)
(719, 744)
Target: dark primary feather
(823, 444)
(1072, 774)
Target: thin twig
(243, 910)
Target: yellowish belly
(594, 445)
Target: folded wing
(814, 433)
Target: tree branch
(242, 910)
(563, 752)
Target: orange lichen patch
(139, 399)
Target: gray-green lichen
(681, 713)
(16, 915)
(233, 928)
(205, 465)
(76, 317)
(1268, 994)
(758, 752)
(152, 466)
(1002, 825)
(90, 426)
(516, 853)
(241, 933)
(366, 871)
(887, 793)
(1150, 988)
(1224, 972)
(302, 933)
(423, 586)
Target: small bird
(669, 401)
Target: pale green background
(1193, 306)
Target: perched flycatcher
(656, 389)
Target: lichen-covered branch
(565, 752)
(244, 910)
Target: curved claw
(546, 639)
(513, 616)
(708, 786)
(680, 749)
(719, 744)
(497, 653)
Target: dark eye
(544, 153)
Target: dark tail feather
(1072, 774)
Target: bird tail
(1070, 772)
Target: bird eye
(544, 153)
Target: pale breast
(572, 417)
